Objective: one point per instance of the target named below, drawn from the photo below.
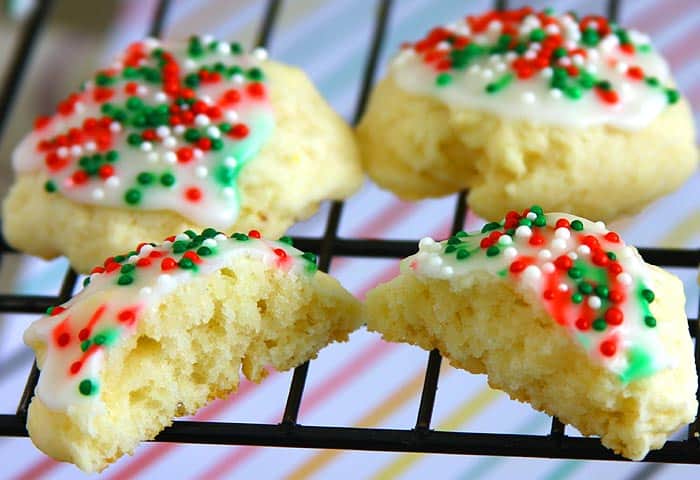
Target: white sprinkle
(170, 157)
(563, 287)
(572, 255)
(424, 243)
(547, 72)
(495, 26)
(206, 99)
(584, 250)
(76, 150)
(79, 107)
(531, 216)
(565, 61)
(228, 191)
(231, 115)
(201, 171)
(90, 146)
(487, 74)
(505, 240)
(224, 48)
(552, 29)
(259, 53)
(532, 273)
(133, 259)
(146, 146)
(150, 43)
(182, 236)
(555, 93)
(179, 129)
(190, 64)
(545, 254)
(145, 250)
(115, 127)
(562, 232)
(577, 59)
(442, 46)
(238, 78)
(98, 194)
(166, 243)
(536, 46)
(198, 153)
(523, 231)
(447, 270)
(112, 182)
(213, 131)
(160, 97)
(600, 225)
(558, 244)
(163, 131)
(232, 162)
(495, 58)
(220, 237)
(529, 98)
(510, 253)
(500, 67)
(201, 120)
(141, 90)
(530, 54)
(594, 302)
(592, 69)
(621, 67)
(548, 267)
(165, 281)
(209, 242)
(624, 278)
(435, 261)
(510, 56)
(62, 152)
(145, 291)
(474, 69)
(170, 142)
(152, 157)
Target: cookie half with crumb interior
(576, 114)
(177, 135)
(559, 312)
(162, 330)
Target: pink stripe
(342, 377)
(39, 469)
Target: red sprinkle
(614, 316)
(168, 263)
(612, 237)
(583, 323)
(563, 262)
(608, 347)
(193, 194)
(254, 234)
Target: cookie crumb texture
(162, 330)
(174, 136)
(573, 113)
(559, 313)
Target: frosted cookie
(174, 136)
(522, 107)
(558, 312)
(158, 332)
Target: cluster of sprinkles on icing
(78, 333)
(587, 279)
(563, 57)
(168, 126)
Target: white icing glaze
(533, 99)
(100, 308)
(537, 274)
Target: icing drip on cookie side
(169, 126)
(80, 333)
(591, 283)
(544, 68)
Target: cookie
(160, 331)
(524, 106)
(175, 136)
(559, 313)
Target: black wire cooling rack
(289, 433)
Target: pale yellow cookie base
(481, 323)
(191, 350)
(310, 157)
(419, 147)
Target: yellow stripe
(681, 234)
(396, 400)
(459, 417)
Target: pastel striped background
(366, 382)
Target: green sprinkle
(216, 143)
(575, 273)
(84, 345)
(611, 255)
(650, 321)
(646, 48)
(499, 84)
(185, 263)
(132, 196)
(87, 387)
(537, 35)
(604, 85)
(599, 325)
(490, 226)
(204, 251)
(585, 288)
(134, 103)
(134, 139)
(310, 257)
(652, 81)
(574, 93)
(577, 298)
(287, 240)
(648, 295)
(209, 232)
(450, 249)
(540, 221)
(443, 79)
(537, 210)
(130, 73)
(454, 240)
(125, 279)
(602, 291)
(521, 48)
(463, 253)
(525, 221)
(50, 186)
(256, 74)
(236, 48)
(119, 258)
(672, 95)
(461, 234)
(241, 237)
(179, 246)
(492, 251)
(590, 37)
(103, 79)
(192, 135)
(167, 179)
(127, 268)
(192, 80)
(190, 233)
(577, 225)
(146, 178)
(559, 52)
(86, 282)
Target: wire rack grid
(289, 433)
